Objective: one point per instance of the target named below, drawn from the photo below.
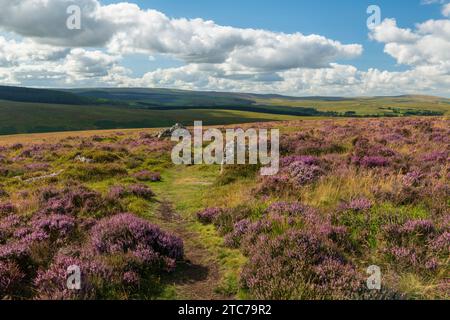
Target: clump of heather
(234, 238)
(288, 208)
(278, 184)
(308, 160)
(7, 208)
(146, 175)
(51, 284)
(436, 156)
(122, 251)
(303, 173)
(76, 200)
(55, 227)
(117, 192)
(358, 204)
(128, 234)
(10, 279)
(298, 265)
(37, 167)
(138, 190)
(418, 244)
(412, 179)
(141, 191)
(208, 215)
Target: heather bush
(278, 184)
(225, 219)
(33, 167)
(418, 244)
(54, 227)
(141, 191)
(51, 284)
(126, 233)
(357, 204)
(288, 208)
(10, 279)
(117, 192)
(234, 238)
(208, 215)
(75, 200)
(146, 175)
(119, 255)
(302, 173)
(298, 265)
(7, 208)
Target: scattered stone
(52, 175)
(83, 159)
(167, 133)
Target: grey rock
(167, 133)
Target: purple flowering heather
(233, 239)
(374, 161)
(141, 191)
(308, 160)
(8, 225)
(125, 232)
(302, 173)
(412, 179)
(336, 279)
(404, 255)
(131, 278)
(52, 283)
(37, 166)
(441, 243)
(10, 278)
(208, 215)
(359, 204)
(146, 175)
(298, 265)
(412, 229)
(436, 156)
(117, 192)
(16, 250)
(7, 208)
(70, 201)
(54, 226)
(289, 208)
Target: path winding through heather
(199, 275)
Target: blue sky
(295, 47)
(343, 20)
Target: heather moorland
(350, 193)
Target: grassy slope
(117, 108)
(365, 106)
(20, 117)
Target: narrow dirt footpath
(199, 275)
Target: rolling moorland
(350, 193)
(25, 110)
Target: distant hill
(27, 110)
(21, 94)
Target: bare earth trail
(199, 275)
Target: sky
(292, 47)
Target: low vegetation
(350, 193)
